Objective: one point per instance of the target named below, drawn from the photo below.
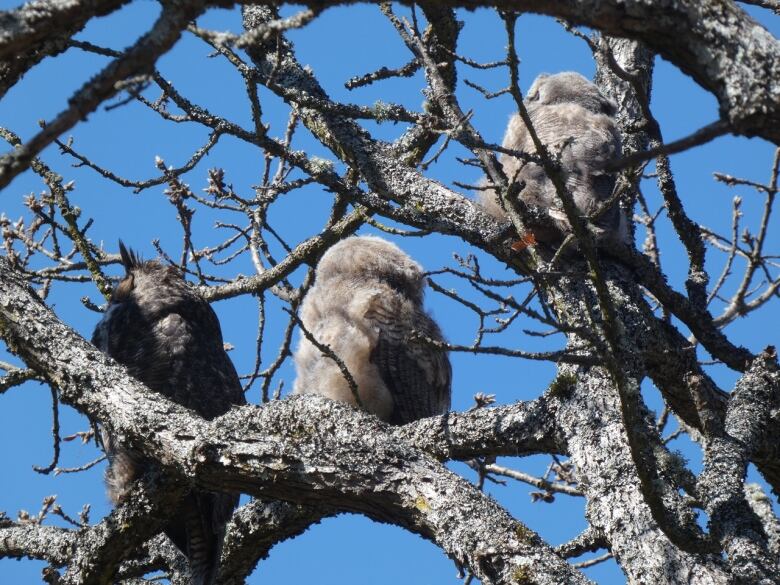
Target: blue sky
(340, 44)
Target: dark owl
(575, 121)
(366, 304)
(169, 339)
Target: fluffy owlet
(366, 304)
(169, 339)
(575, 120)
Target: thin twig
(329, 353)
(701, 136)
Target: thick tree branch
(590, 418)
(305, 450)
(715, 42)
(31, 23)
(519, 429)
(256, 528)
(33, 541)
(40, 29)
(101, 548)
(749, 419)
(138, 59)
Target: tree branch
(749, 418)
(716, 43)
(140, 58)
(305, 449)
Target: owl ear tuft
(130, 259)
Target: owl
(366, 305)
(576, 123)
(169, 338)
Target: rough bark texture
(306, 450)
(304, 459)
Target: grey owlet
(576, 122)
(366, 304)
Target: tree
(608, 320)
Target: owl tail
(199, 530)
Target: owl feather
(367, 306)
(169, 338)
(575, 121)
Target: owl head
(361, 258)
(143, 278)
(568, 87)
(149, 291)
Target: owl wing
(588, 141)
(189, 362)
(219, 368)
(595, 142)
(589, 182)
(418, 376)
(124, 465)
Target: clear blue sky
(342, 43)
